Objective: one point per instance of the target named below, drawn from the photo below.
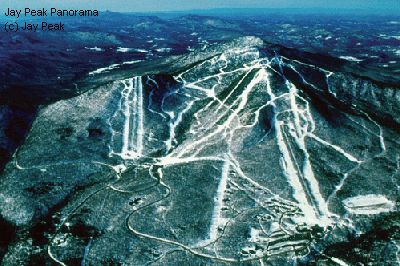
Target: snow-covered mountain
(244, 153)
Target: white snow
(164, 50)
(350, 58)
(339, 261)
(125, 50)
(131, 62)
(368, 204)
(104, 69)
(217, 220)
(133, 126)
(96, 49)
(113, 66)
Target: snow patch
(96, 49)
(164, 50)
(113, 66)
(104, 69)
(125, 50)
(350, 58)
(368, 204)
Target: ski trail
(216, 220)
(173, 124)
(336, 148)
(307, 172)
(289, 166)
(133, 114)
(140, 116)
(242, 99)
(127, 114)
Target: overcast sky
(174, 5)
